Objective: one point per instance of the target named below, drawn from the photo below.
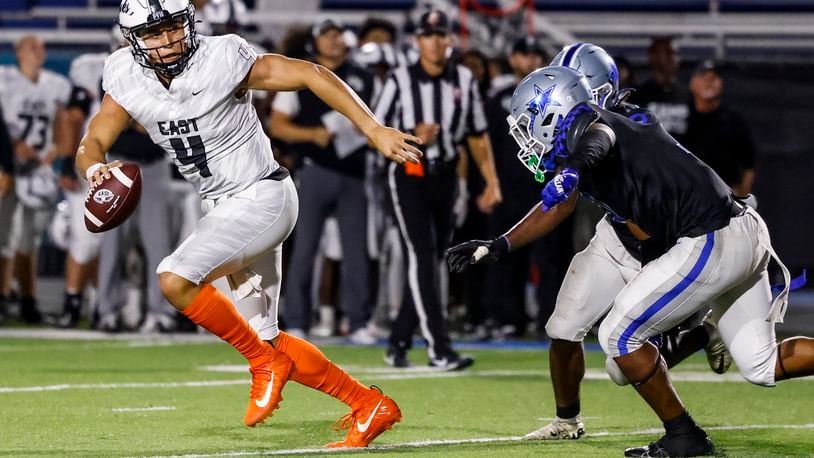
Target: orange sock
(314, 370)
(216, 313)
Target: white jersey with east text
(205, 124)
(30, 107)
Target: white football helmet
(138, 16)
(37, 186)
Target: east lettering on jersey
(203, 122)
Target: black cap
(527, 45)
(323, 26)
(433, 21)
(708, 65)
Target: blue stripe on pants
(672, 294)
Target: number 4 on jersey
(195, 154)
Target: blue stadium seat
(90, 23)
(33, 23)
(14, 5)
(767, 5)
(61, 3)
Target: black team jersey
(642, 250)
(648, 178)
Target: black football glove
(475, 252)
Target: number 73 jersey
(30, 107)
(207, 126)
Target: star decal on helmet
(541, 101)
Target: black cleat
(451, 362)
(70, 312)
(29, 312)
(397, 357)
(697, 444)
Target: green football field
(160, 397)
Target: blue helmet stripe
(566, 61)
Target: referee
(439, 102)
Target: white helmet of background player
(543, 106)
(598, 67)
(138, 16)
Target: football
(114, 200)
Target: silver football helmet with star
(598, 67)
(540, 104)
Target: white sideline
(428, 443)
(376, 374)
(389, 373)
(143, 409)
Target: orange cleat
(378, 414)
(269, 375)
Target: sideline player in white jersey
(190, 93)
(83, 246)
(32, 100)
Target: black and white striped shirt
(452, 100)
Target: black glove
(476, 252)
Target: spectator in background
(7, 201)
(331, 182)
(440, 103)
(666, 97)
(375, 30)
(718, 135)
(627, 79)
(470, 222)
(478, 64)
(505, 293)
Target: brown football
(114, 200)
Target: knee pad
(762, 373)
(559, 329)
(615, 373)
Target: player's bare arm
(103, 130)
(536, 224)
(481, 148)
(273, 72)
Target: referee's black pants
(423, 211)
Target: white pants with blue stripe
(725, 269)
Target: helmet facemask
(532, 151)
(603, 95)
(150, 57)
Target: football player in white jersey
(83, 246)
(32, 99)
(190, 93)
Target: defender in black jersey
(717, 252)
(613, 258)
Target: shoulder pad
(641, 116)
(572, 127)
